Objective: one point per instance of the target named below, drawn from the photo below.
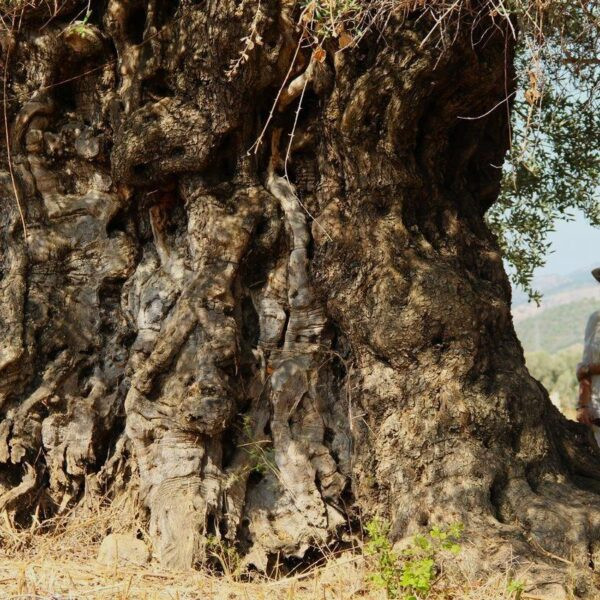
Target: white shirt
(591, 355)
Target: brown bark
(275, 355)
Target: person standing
(588, 374)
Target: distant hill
(556, 328)
(551, 285)
(559, 322)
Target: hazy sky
(575, 245)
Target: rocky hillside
(559, 322)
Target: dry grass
(61, 578)
(50, 576)
(57, 561)
(68, 578)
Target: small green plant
(330, 18)
(410, 574)
(81, 27)
(515, 589)
(387, 575)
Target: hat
(596, 273)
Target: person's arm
(584, 370)
(584, 413)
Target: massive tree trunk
(279, 337)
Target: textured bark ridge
(276, 340)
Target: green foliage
(553, 167)
(409, 575)
(81, 27)
(556, 372)
(329, 18)
(379, 545)
(515, 589)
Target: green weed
(515, 589)
(411, 573)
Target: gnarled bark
(281, 339)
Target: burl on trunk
(282, 332)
